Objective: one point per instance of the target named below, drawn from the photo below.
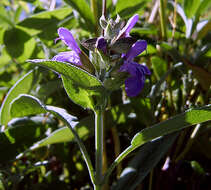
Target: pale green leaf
(24, 85)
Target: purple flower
(68, 56)
(135, 82)
(127, 28)
(101, 44)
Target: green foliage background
(37, 150)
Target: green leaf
(24, 85)
(45, 22)
(127, 9)
(58, 136)
(80, 86)
(62, 135)
(31, 105)
(190, 7)
(5, 19)
(186, 119)
(78, 95)
(85, 12)
(159, 66)
(204, 5)
(144, 161)
(25, 105)
(19, 44)
(145, 31)
(17, 14)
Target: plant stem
(163, 20)
(98, 147)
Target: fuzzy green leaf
(82, 87)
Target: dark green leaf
(145, 31)
(21, 133)
(204, 5)
(122, 45)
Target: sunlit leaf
(24, 85)
(25, 105)
(44, 22)
(176, 123)
(85, 12)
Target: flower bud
(103, 22)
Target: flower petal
(144, 69)
(66, 36)
(101, 44)
(135, 82)
(134, 85)
(68, 56)
(136, 49)
(130, 24)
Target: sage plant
(111, 65)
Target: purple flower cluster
(137, 72)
